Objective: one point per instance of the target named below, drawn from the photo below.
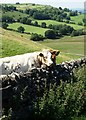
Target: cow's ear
(57, 52)
(51, 51)
(41, 55)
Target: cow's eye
(45, 57)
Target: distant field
(24, 6)
(67, 44)
(78, 18)
(53, 22)
(15, 14)
(70, 47)
(28, 28)
(29, 5)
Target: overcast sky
(56, 3)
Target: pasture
(14, 43)
(15, 14)
(28, 28)
(29, 5)
(70, 47)
(53, 22)
(78, 18)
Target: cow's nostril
(51, 64)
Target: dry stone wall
(24, 89)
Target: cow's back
(18, 63)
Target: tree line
(52, 13)
(54, 32)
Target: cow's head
(47, 57)
(54, 54)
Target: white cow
(25, 62)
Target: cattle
(26, 62)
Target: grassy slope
(57, 23)
(15, 14)
(28, 28)
(29, 5)
(67, 44)
(72, 45)
(33, 29)
(14, 43)
(78, 18)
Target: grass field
(67, 44)
(53, 22)
(78, 18)
(15, 14)
(14, 43)
(39, 30)
(28, 28)
(29, 5)
(70, 47)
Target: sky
(55, 3)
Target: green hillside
(39, 30)
(28, 28)
(78, 18)
(14, 43)
(53, 22)
(31, 6)
(70, 47)
(15, 14)
(69, 41)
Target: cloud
(41, 1)
(55, 3)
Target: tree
(7, 19)
(36, 23)
(84, 21)
(78, 32)
(17, 3)
(50, 34)
(43, 24)
(64, 15)
(27, 11)
(21, 29)
(4, 25)
(50, 26)
(73, 13)
(23, 20)
(80, 23)
(68, 17)
(28, 21)
(66, 10)
(75, 33)
(36, 37)
(65, 29)
(60, 8)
